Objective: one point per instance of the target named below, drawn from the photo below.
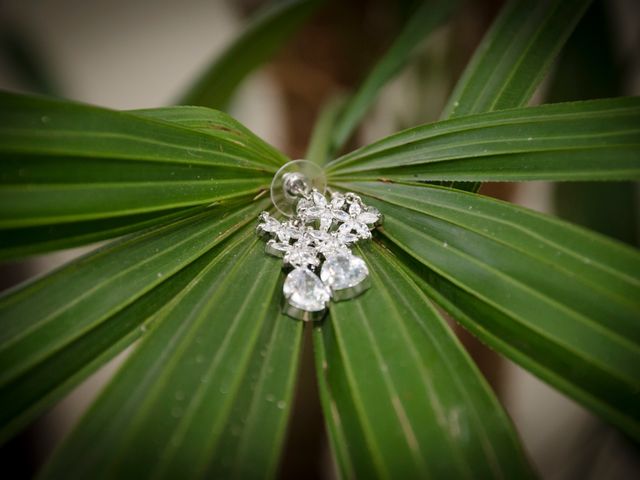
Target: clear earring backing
(294, 180)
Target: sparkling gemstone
(343, 270)
(360, 229)
(352, 197)
(302, 256)
(277, 249)
(320, 237)
(340, 215)
(318, 199)
(325, 221)
(304, 290)
(283, 234)
(288, 231)
(337, 201)
(355, 209)
(269, 224)
(331, 246)
(315, 212)
(370, 216)
(303, 204)
(346, 237)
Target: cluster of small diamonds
(320, 228)
(321, 231)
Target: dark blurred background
(140, 53)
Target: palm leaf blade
(199, 362)
(21, 242)
(554, 309)
(427, 17)
(596, 139)
(513, 58)
(59, 311)
(46, 381)
(217, 124)
(400, 395)
(514, 55)
(66, 162)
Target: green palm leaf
(16, 243)
(65, 162)
(218, 370)
(515, 55)
(427, 17)
(513, 58)
(596, 139)
(56, 330)
(207, 391)
(218, 125)
(560, 300)
(401, 397)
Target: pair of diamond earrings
(315, 241)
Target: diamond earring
(315, 242)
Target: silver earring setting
(315, 245)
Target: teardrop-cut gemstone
(304, 290)
(343, 270)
